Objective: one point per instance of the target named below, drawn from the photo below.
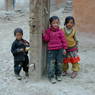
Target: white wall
(2, 4)
(20, 4)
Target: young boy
(19, 49)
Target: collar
(54, 29)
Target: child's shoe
(74, 74)
(59, 78)
(64, 74)
(53, 80)
(26, 74)
(18, 77)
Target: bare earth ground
(84, 84)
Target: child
(71, 52)
(55, 38)
(19, 50)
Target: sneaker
(59, 78)
(53, 80)
(18, 77)
(74, 74)
(64, 74)
(27, 74)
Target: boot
(53, 80)
(18, 77)
(64, 73)
(59, 78)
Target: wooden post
(39, 14)
(9, 4)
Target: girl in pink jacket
(55, 39)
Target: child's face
(19, 36)
(70, 24)
(55, 23)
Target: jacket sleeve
(45, 36)
(27, 43)
(15, 50)
(63, 39)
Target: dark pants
(55, 58)
(18, 65)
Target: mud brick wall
(84, 11)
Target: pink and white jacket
(55, 38)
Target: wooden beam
(39, 14)
(9, 4)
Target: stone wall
(19, 4)
(56, 4)
(24, 4)
(60, 3)
(84, 11)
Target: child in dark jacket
(19, 49)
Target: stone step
(68, 3)
(67, 11)
(68, 7)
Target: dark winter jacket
(17, 53)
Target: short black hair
(53, 18)
(68, 19)
(18, 30)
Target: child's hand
(27, 49)
(21, 49)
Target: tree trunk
(39, 15)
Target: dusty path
(84, 84)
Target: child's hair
(53, 18)
(18, 30)
(68, 19)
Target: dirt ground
(84, 84)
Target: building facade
(84, 11)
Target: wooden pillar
(39, 14)
(9, 5)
